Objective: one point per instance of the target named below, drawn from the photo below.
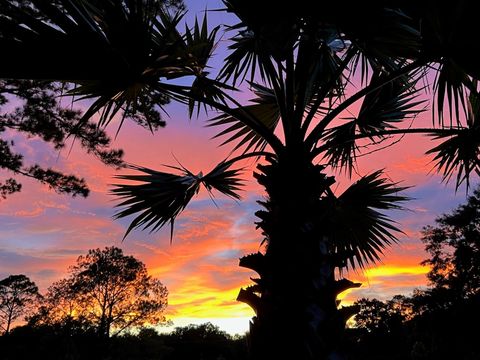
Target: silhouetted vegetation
(440, 321)
(301, 63)
(454, 249)
(424, 331)
(81, 316)
(106, 291)
(205, 341)
(193, 342)
(18, 295)
(38, 111)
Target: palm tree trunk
(295, 298)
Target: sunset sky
(42, 233)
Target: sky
(42, 233)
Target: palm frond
(382, 33)
(144, 41)
(381, 110)
(450, 83)
(224, 179)
(261, 38)
(447, 30)
(265, 110)
(205, 91)
(362, 64)
(389, 105)
(340, 145)
(158, 200)
(117, 51)
(161, 196)
(200, 44)
(321, 71)
(461, 150)
(243, 59)
(359, 231)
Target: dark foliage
(438, 322)
(454, 249)
(204, 341)
(192, 342)
(18, 295)
(106, 291)
(39, 111)
(427, 334)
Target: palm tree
(304, 67)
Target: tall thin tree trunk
(109, 320)
(9, 321)
(103, 321)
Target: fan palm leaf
(136, 44)
(341, 148)
(265, 111)
(382, 33)
(381, 110)
(446, 41)
(460, 153)
(389, 105)
(243, 58)
(162, 196)
(261, 40)
(360, 231)
(450, 84)
(320, 76)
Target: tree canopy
(454, 248)
(18, 295)
(106, 291)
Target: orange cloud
(200, 268)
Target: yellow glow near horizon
(198, 303)
(396, 270)
(376, 275)
(232, 325)
(208, 303)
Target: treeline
(206, 342)
(420, 327)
